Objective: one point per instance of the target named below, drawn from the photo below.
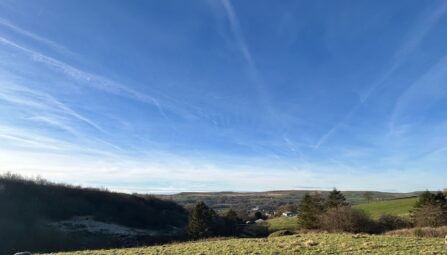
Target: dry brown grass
(420, 232)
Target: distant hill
(398, 207)
(40, 216)
(269, 200)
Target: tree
(368, 196)
(335, 199)
(309, 210)
(258, 215)
(430, 210)
(231, 223)
(203, 221)
(432, 198)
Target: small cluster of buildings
(268, 214)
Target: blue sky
(168, 96)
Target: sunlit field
(397, 207)
(294, 244)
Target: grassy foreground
(398, 207)
(295, 244)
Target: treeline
(30, 200)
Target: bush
(391, 222)
(429, 215)
(430, 210)
(281, 233)
(255, 230)
(347, 219)
(420, 232)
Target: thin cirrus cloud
(96, 81)
(202, 112)
(37, 101)
(411, 42)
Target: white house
(259, 221)
(288, 214)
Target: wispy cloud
(41, 103)
(423, 92)
(400, 57)
(35, 37)
(246, 54)
(411, 42)
(99, 82)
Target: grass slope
(398, 207)
(296, 244)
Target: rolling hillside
(37, 215)
(398, 207)
(295, 244)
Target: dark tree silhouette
(310, 209)
(335, 199)
(203, 222)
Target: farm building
(288, 214)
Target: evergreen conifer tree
(309, 211)
(335, 199)
(203, 221)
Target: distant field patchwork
(398, 207)
(296, 244)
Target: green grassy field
(296, 244)
(399, 207)
(282, 223)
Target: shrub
(429, 215)
(389, 222)
(430, 210)
(255, 230)
(420, 232)
(347, 219)
(281, 233)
